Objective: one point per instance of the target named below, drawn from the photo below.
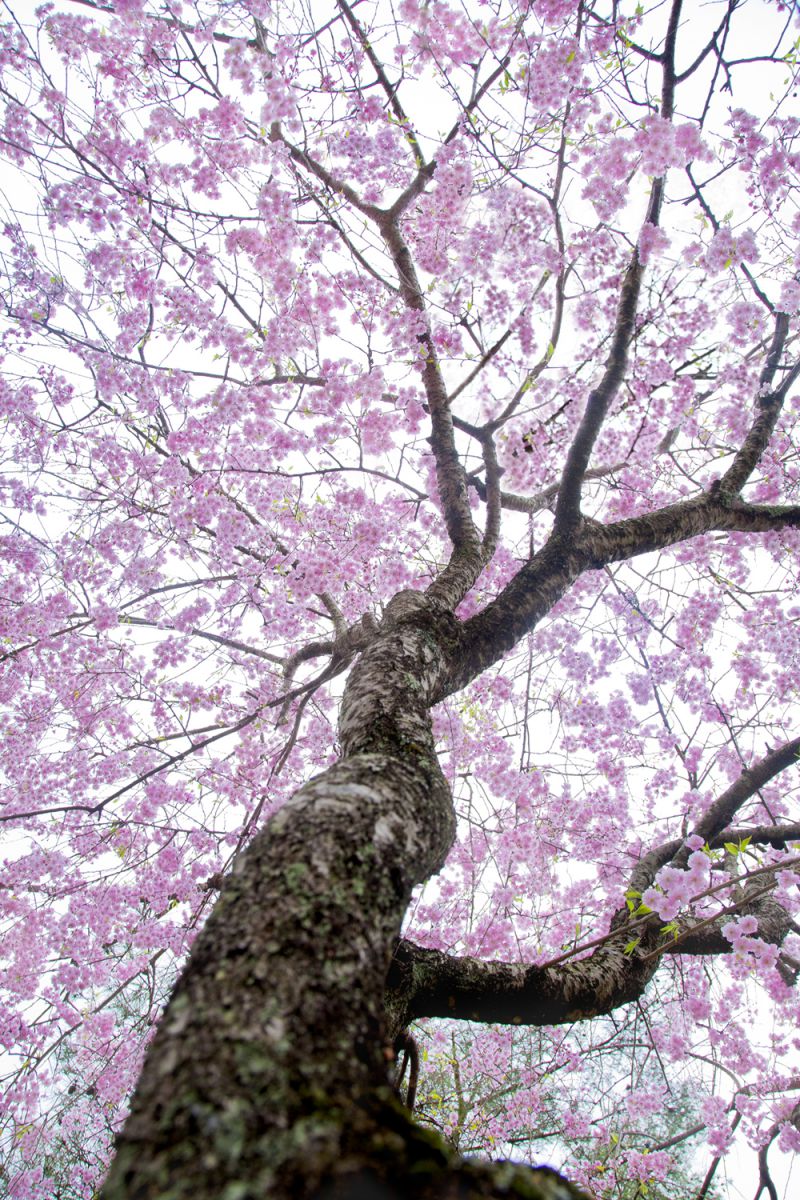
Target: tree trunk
(268, 1075)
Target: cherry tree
(400, 616)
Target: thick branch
(430, 983)
(533, 591)
(544, 579)
(714, 827)
(675, 523)
(493, 500)
(669, 78)
(704, 938)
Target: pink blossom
(726, 249)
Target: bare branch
(427, 983)
(544, 498)
(569, 493)
(219, 639)
(768, 409)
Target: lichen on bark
(268, 1073)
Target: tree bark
(268, 1075)
(429, 983)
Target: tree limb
(430, 983)
(768, 408)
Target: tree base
(372, 1150)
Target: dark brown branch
(765, 1181)
(466, 560)
(709, 46)
(569, 494)
(723, 810)
(706, 937)
(778, 836)
(669, 77)
(405, 1044)
(714, 827)
(426, 172)
(493, 501)
(567, 515)
(715, 225)
(678, 522)
(768, 409)
(485, 358)
(709, 1175)
(380, 71)
(544, 579)
(431, 983)
(529, 596)
(335, 185)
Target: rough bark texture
(428, 983)
(268, 1074)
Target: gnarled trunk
(268, 1075)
